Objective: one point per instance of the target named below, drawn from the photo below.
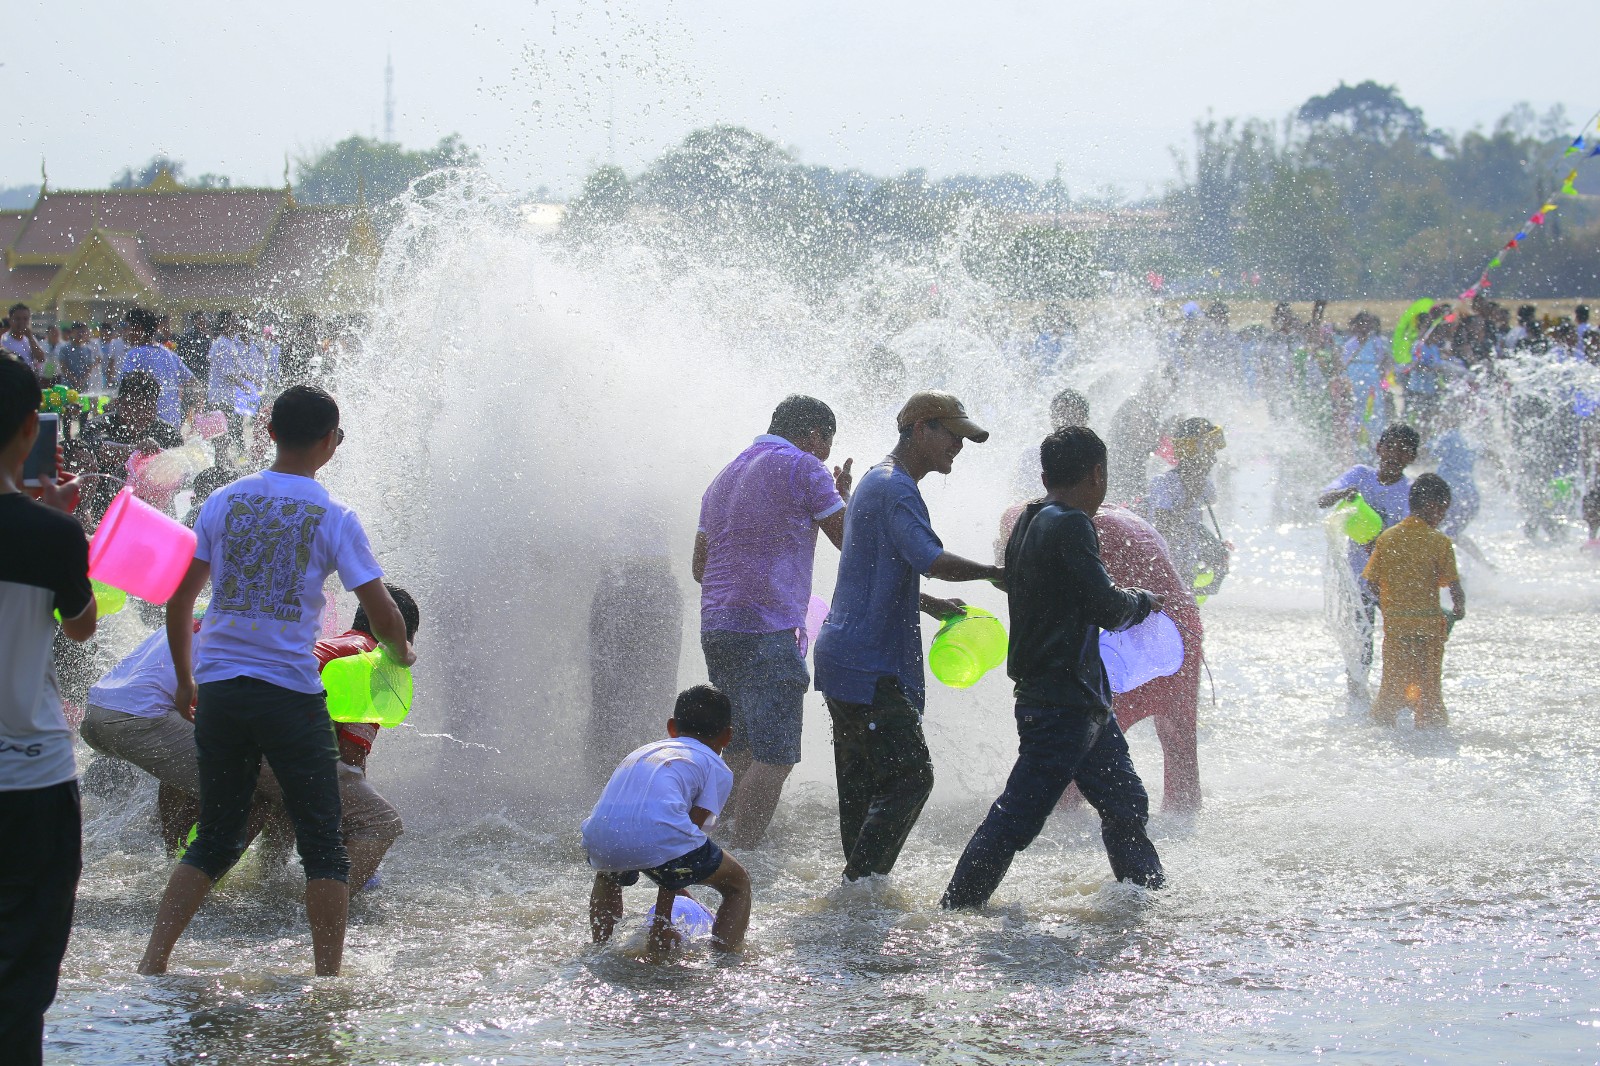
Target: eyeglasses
(340, 438)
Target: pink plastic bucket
(816, 614)
(1141, 653)
(140, 550)
(211, 424)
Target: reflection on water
(1379, 896)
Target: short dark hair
(1400, 433)
(14, 308)
(20, 397)
(1429, 489)
(1069, 408)
(1070, 454)
(796, 415)
(702, 712)
(408, 611)
(303, 415)
(143, 319)
(139, 385)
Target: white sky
(1106, 88)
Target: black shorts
(694, 868)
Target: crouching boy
(652, 819)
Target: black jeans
(236, 723)
(43, 833)
(1059, 746)
(885, 775)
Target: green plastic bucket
(1361, 523)
(367, 687)
(967, 647)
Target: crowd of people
(228, 713)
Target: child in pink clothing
(1135, 555)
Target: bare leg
(605, 908)
(663, 938)
(186, 890)
(178, 811)
(733, 916)
(327, 908)
(739, 763)
(756, 799)
(365, 855)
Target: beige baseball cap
(925, 406)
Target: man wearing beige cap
(869, 654)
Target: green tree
(385, 169)
(138, 179)
(602, 205)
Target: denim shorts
(694, 868)
(764, 676)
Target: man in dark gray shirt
(1060, 599)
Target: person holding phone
(44, 569)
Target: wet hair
(303, 415)
(1429, 490)
(139, 385)
(1069, 408)
(408, 611)
(20, 396)
(144, 320)
(796, 416)
(702, 712)
(1400, 433)
(1069, 455)
(1581, 312)
(11, 311)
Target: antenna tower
(388, 97)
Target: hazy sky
(1106, 88)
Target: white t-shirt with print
(272, 540)
(642, 818)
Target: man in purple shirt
(753, 554)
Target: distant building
(92, 255)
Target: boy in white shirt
(250, 684)
(652, 819)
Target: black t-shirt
(116, 431)
(44, 566)
(195, 351)
(1061, 597)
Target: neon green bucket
(1361, 523)
(367, 687)
(107, 600)
(967, 647)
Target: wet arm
(1458, 601)
(388, 624)
(833, 528)
(697, 565)
(951, 567)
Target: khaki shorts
(164, 748)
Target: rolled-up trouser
(1413, 667)
(42, 829)
(764, 677)
(884, 776)
(237, 723)
(1058, 746)
(163, 747)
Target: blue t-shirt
(874, 629)
(170, 374)
(1392, 502)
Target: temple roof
(169, 245)
(187, 224)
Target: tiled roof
(227, 223)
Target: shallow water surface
(1352, 893)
